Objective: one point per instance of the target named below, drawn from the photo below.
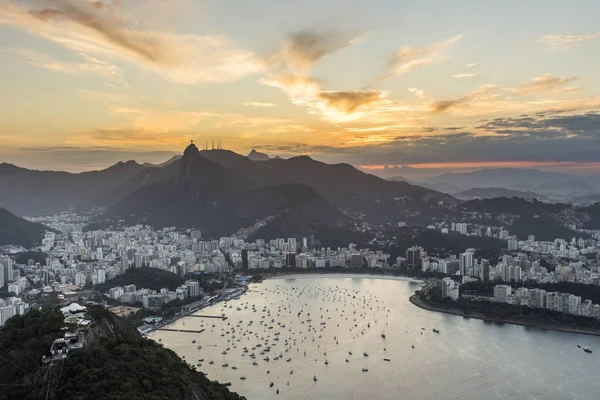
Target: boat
(579, 345)
(271, 384)
(233, 367)
(587, 349)
(326, 362)
(314, 378)
(435, 330)
(386, 359)
(412, 345)
(211, 362)
(347, 360)
(365, 354)
(194, 341)
(254, 363)
(243, 378)
(365, 370)
(350, 353)
(383, 335)
(226, 384)
(225, 365)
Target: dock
(181, 330)
(207, 316)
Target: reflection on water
(332, 327)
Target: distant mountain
(31, 193)
(257, 156)
(488, 193)
(543, 182)
(18, 231)
(169, 161)
(220, 192)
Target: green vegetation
(18, 231)
(439, 244)
(24, 340)
(37, 257)
(148, 278)
(116, 363)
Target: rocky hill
(115, 363)
(18, 231)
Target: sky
(432, 84)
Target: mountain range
(542, 182)
(221, 192)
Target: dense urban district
(79, 285)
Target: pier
(181, 330)
(207, 316)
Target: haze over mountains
(222, 192)
(525, 181)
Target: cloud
(557, 42)
(339, 106)
(107, 32)
(123, 110)
(350, 101)
(439, 106)
(484, 93)
(108, 28)
(462, 75)
(420, 93)
(258, 104)
(411, 58)
(88, 66)
(546, 83)
(303, 48)
(471, 65)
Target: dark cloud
(302, 48)
(439, 106)
(556, 138)
(349, 101)
(92, 16)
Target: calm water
(469, 359)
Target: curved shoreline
(344, 275)
(417, 302)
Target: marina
(306, 337)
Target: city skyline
(87, 84)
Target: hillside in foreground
(115, 363)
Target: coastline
(183, 315)
(344, 275)
(418, 303)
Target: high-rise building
(101, 276)
(244, 258)
(356, 261)
(124, 264)
(538, 298)
(485, 270)
(513, 243)
(501, 293)
(413, 257)
(465, 261)
(1, 277)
